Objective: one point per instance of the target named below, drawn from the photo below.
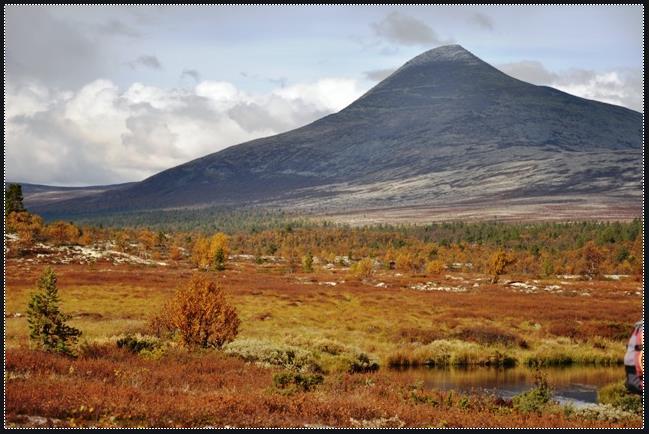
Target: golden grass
(328, 327)
(475, 327)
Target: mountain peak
(446, 53)
(445, 128)
(449, 70)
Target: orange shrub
(28, 226)
(61, 233)
(200, 314)
(175, 253)
(147, 239)
(408, 261)
(590, 261)
(434, 267)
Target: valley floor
(323, 318)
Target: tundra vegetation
(301, 324)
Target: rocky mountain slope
(445, 128)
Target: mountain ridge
(445, 126)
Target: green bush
(289, 380)
(362, 363)
(604, 412)
(616, 395)
(307, 263)
(285, 356)
(330, 347)
(138, 343)
(535, 399)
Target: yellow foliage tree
(497, 264)
(590, 260)
(409, 261)
(146, 241)
(200, 314)
(211, 252)
(61, 233)
(88, 236)
(27, 226)
(121, 240)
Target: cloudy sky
(107, 94)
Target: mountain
(445, 128)
(36, 195)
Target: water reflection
(571, 384)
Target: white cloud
(620, 87)
(102, 134)
(329, 94)
(616, 87)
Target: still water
(577, 385)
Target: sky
(109, 94)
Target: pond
(575, 384)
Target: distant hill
(445, 130)
(36, 195)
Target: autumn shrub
(408, 261)
(62, 233)
(146, 241)
(362, 269)
(434, 267)
(28, 227)
(200, 314)
(47, 324)
(23, 222)
(591, 258)
(498, 263)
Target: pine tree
(14, 199)
(46, 322)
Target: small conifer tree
(47, 324)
